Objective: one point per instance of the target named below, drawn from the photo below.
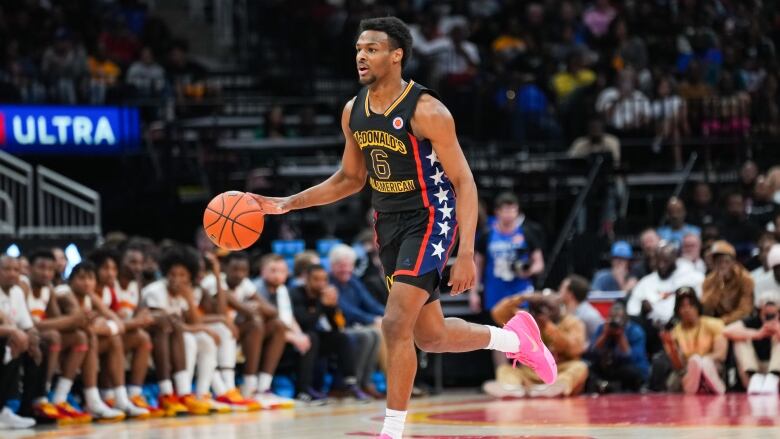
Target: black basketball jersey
(403, 172)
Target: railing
(686, 174)
(7, 216)
(16, 183)
(65, 207)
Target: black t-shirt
(763, 347)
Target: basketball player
(123, 300)
(400, 136)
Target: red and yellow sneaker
(172, 405)
(216, 406)
(47, 412)
(237, 402)
(154, 412)
(195, 405)
(77, 417)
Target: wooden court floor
(469, 415)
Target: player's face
(375, 57)
(178, 279)
(275, 273)
(107, 272)
(82, 283)
(508, 213)
(236, 271)
(42, 271)
(133, 262)
(9, 272)
(61, 260)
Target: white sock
(218, 385)
(250, 386)
(106, 394)
(183, 384)
(394, 423)
(229, 377)
(61, 390)
(122, 401)
(503, 340)
(134, 391)
(92, 397)
(264, 381)
(166, 387)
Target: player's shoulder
(62, 290)
(429, 106)
(158, 287)
(350, 103)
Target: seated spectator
(575, 76)
(562, 332)
(64, 66)
(616, 278)
(527, 111)
(653, 297)
(671, 118)
(648, 241)
(508, 255)
(598, 17)
(691, 253)
(103, 75)
(626, 109)
(146, 75)
(768, 283)
(757, 347)
(596, 142)
(727, 292)
(362, 312)
(761, 208)
(574, 294)
(761, 262)
(301, 263)
(736, 228)
(694, 350)
(677, 228)
(702, 211)
(315, 306)
(617, 353)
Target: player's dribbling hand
(463, 275)
(272, 205)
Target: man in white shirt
(768, 283)
(19, 346)
(653, 297)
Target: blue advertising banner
(68, 129)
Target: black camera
(771, 316)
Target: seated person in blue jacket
(617, 353)
(362, 313)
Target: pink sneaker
(533, 353)
(383, 436)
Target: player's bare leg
(139, 343)
(52, 340)
(89, 374)
(433, 333)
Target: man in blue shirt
(617, 353)
(508, 255)
(618, 277)
(362, 312)
(677, 228)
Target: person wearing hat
(616, 278)
(768, 282)
(727, 292)
(757, 346)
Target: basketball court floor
(464, 415)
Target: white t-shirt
(765, 286)
(632, 112)
(14, 307)
(155, 295)
(38, 305)
(660, 292)
(124, 301)
(244, 291)
(64, 290)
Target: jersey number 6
(381, 166)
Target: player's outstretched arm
(349, 179)
(434, 122)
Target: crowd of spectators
(699, 301)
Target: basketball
(233, 220)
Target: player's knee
(396, 329)
(51, 337)
(80, 338)
(432, 345)
(144, 340)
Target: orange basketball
(233, 220)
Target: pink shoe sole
(384, 436)
(533, 352)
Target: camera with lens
(771, 316)
(522, 261)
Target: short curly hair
(182, 255)
(397, 32)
